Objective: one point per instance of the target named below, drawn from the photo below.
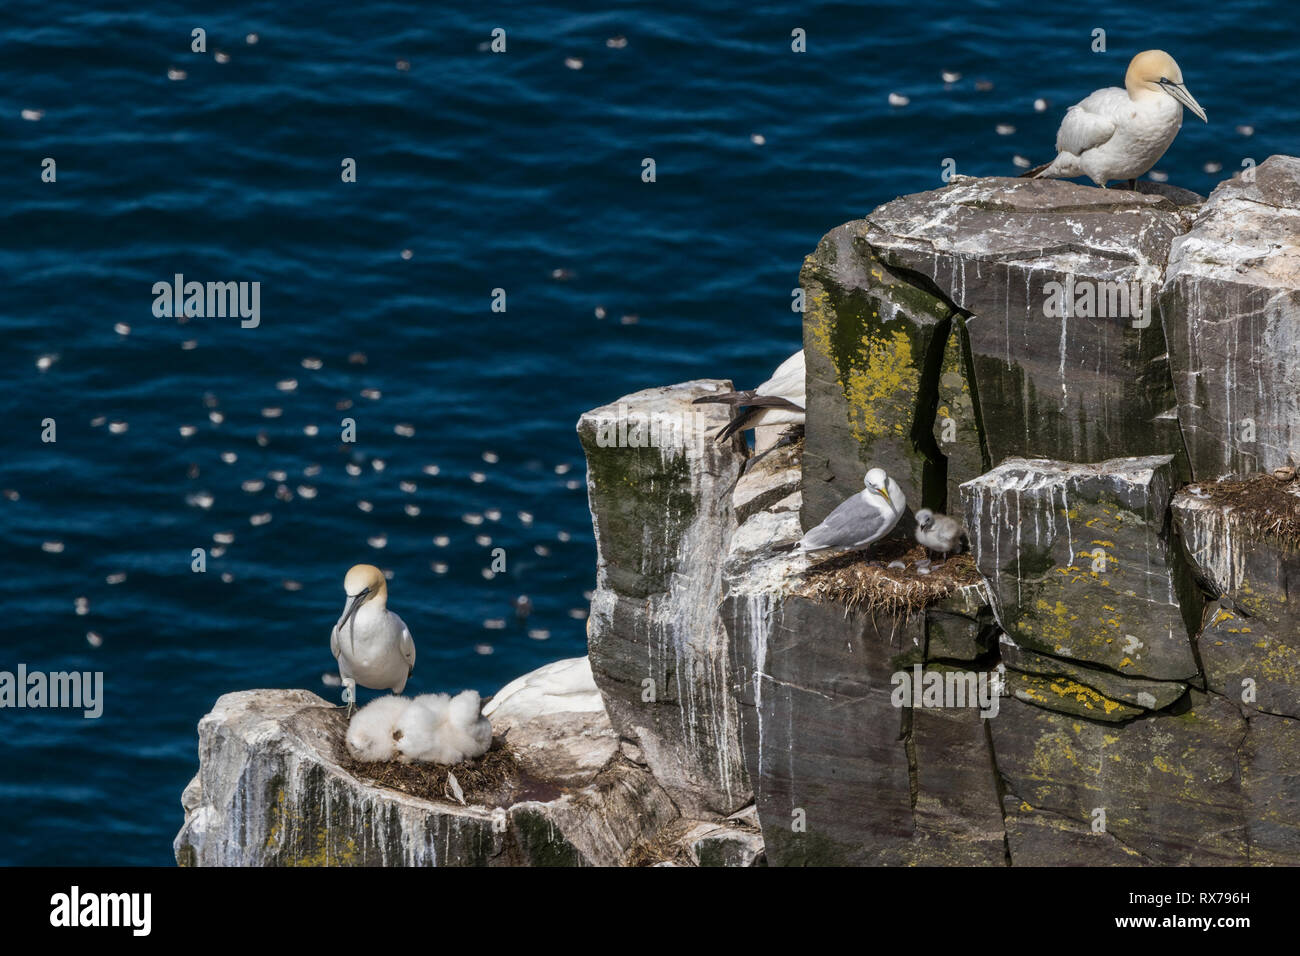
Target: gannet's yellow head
(1154, 71)
(362, 583)
(364, 579)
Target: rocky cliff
(1103, 384)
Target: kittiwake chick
(1121, 133)
(372, 731)
(938, 532)
(861, 520)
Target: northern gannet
(1121, 133)
(938, 532)
(778, 401)
(370, 642)
(861, 520)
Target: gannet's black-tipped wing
(726, 398)
(753, 409)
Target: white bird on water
(778, 401)
(1121, 133)
(861, 520)
(370, 642)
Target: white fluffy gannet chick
(938, 532)
(371, 734)
(861, 520)
(370, 642)
(1121, 133)
(778, 401)
(438, 728)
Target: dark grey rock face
(1232, 297)
(1251, 661)
(874, 345)
(663, 522)
(1270, 781)
(1249, 646)
(1075, 688)
(844, 774)
(823, 739)
(1055, 280)
(1166, 787)
(991, 318)
(1080, 564)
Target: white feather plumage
(370, 735)
(431, 728)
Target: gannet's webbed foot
(349, 697)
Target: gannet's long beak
(1179, 92)
(350, 612)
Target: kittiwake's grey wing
(1087, 124)
(853, 523)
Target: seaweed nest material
(863, 579)
(489, 780)
(1260, 504)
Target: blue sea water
(491, 171)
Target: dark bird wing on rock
(752, 409)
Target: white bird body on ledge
(1121, 133)
(861, 520)
(370, 642)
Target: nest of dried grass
(1260, 504)
(664, 846)
(861, 579)
(489, 780)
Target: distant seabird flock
(1113, 134)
